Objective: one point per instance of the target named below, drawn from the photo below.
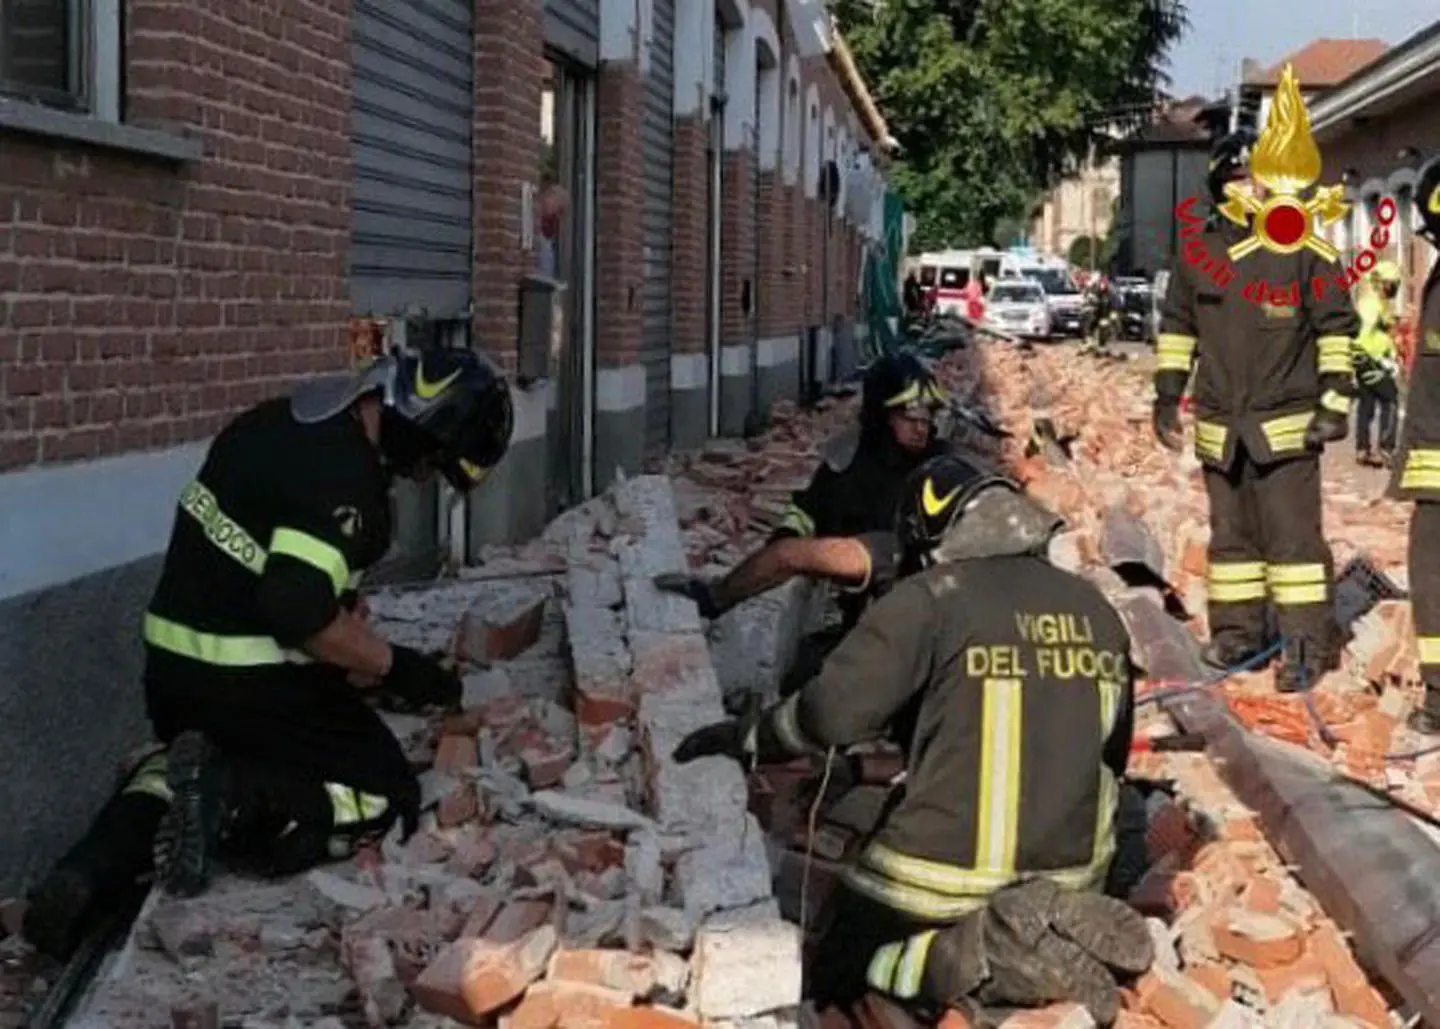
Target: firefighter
(841, 526)
(1010, 792)
(1272, 387)
(254, 658)
(1377, 365)
(1418, 470)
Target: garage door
(413, 109)
(659, 153)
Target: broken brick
(504, 635)
(590, 851)
(1354, 996)
(545, 767)
(461, 804)
(472, 978)
(482, 914)
(377, 981)
(1263, 895)
(632, 974)
(1260, 941)
(1175, 1000)
(456, 755)
(473, 854)
(568, 1005)
(649, 1017)
(517, 918)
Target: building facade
(1080, 206)
(201, 205)
(1373, 128)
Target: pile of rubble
(567, 871)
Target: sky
(1207, 58)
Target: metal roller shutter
(413, 112)
(720, 31)
(659, 150)
(573, 28)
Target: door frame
(574, 98)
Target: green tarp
(882, 279)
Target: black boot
(1363, 458)
(189, 834)
(1425, 719)
(1305, 663)
(100, 872)
(1226, 652)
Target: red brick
(632, 974)
(1354, 996)
(517, 918)
(648, 1017)
(456, 755)
(472, 978)
(566, 1005)
(473, 854)
(508, 635)
(458, 806)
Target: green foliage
(1083, 250)
(994, 100)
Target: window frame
(93, 72)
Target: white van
(946, 273)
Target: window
(1016, 293)
(63, 54)
(954, 278)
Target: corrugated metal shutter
(659, 163)
(573, 27)
(414, 105)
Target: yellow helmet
(1386, 271)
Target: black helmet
(935, 497)
(1427, 199)
(451, 407)
(1229, 160)
(900, 382)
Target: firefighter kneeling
(1007, 683)
(255, 662)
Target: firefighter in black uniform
(841, 526)
(1273, 386)
(1418, 476)
(253, 658)
(1007, 682)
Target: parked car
(1019, 306)
(1067, 303)
(1138, 304)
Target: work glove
(1166, 420)
(419, 680)
(692, 587)
(1035, 944)
(720, 739)
(1325, 426)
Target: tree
(994, 100)
(1085, 252)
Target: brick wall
(775, 310)
(143, 302)
(736, 249)
(619, 209)
(510, 75)
(690, 233)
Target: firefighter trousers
(1380, 399)
(1267, 542)
(1425, 595)
(314, 770)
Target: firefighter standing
(841, 526)
(1377, 365)
(1419, 467)
(253, 660)
(1007, 683)
(1272, 388)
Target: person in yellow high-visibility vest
(1377, 365)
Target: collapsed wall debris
(567, 870)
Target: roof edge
(1389, 72)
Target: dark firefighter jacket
(1013, 680)
(854, 492)
(269, 539)
(1263, 367)
(1420, 466)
